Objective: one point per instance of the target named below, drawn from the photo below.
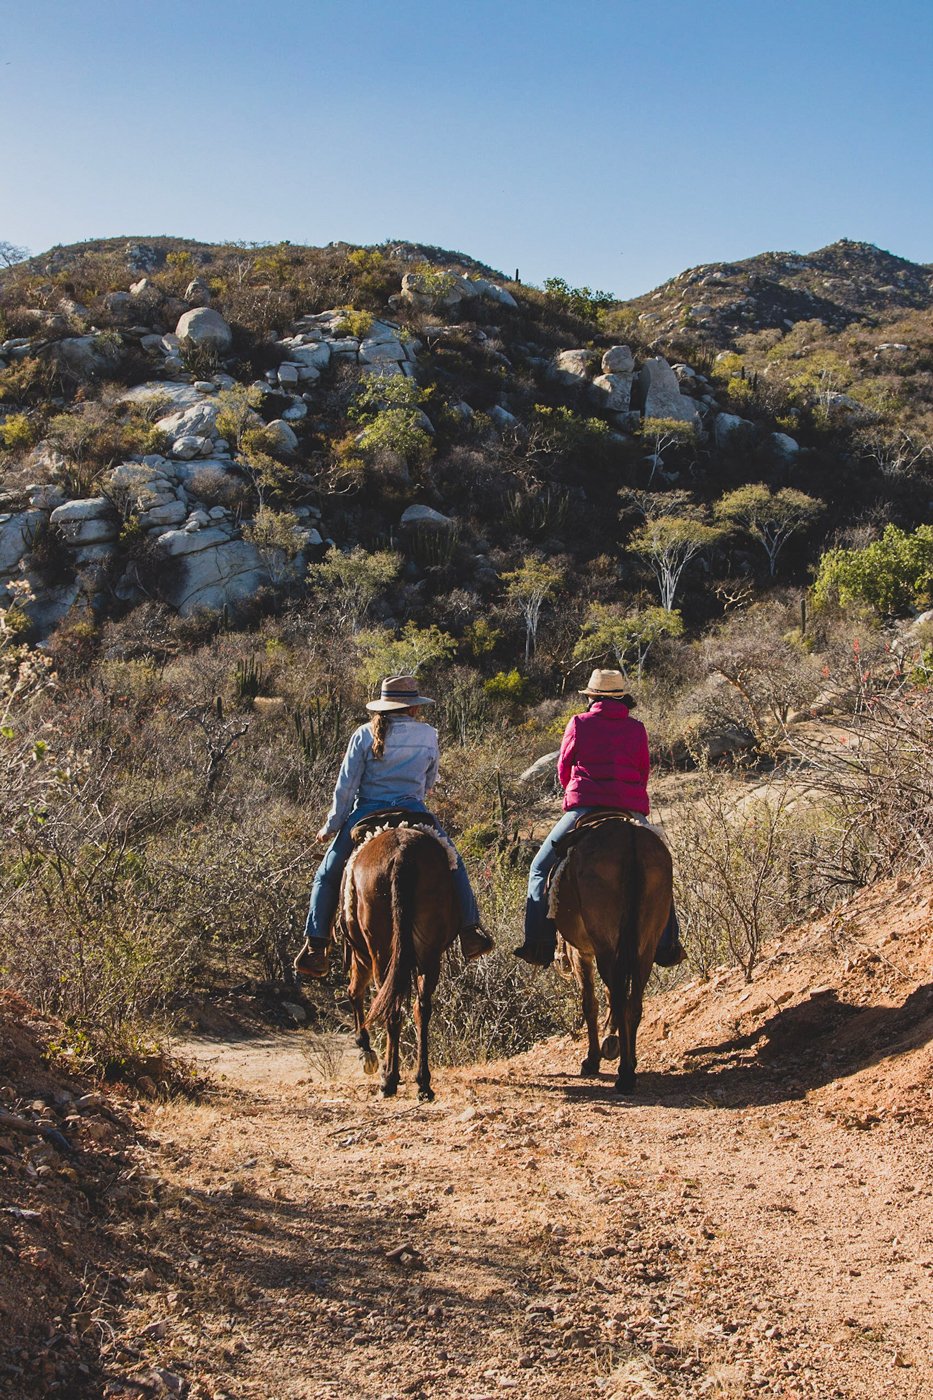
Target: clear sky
(611, 142)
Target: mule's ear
(629, 701)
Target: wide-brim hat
(606, 685)
(398, 693)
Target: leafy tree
(352, 581)
(278, 539)
(397, 435)
(237, 414)
(888, 575)
(417, 649)
(770, 517)
(610, 630)
(578, 301)
(662, 434)
(669, 543)
(529, 588)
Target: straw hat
(607, 685)
(397, 693)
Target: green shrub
(510, 686)
(889, 575)
(16, 431)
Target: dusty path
(750, 1224)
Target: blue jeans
(538, 927)
(325, 892)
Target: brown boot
(311, 962)
(475, 942)
(537, 954)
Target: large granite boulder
(612, 393)
(374, 352)
(436, 290)
(284, 435)
(197, 292)
(425, 517)
(88, 356)
(574, 367)
(656, 391)
(91, 521)
(209, 570)
(726, 426)
(204, 329)
(618, 359)
(172, 393)
(16, 534)
(198, 420)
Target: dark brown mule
(399, 914)
(613, 901)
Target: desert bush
(737, 879)
(889, 575)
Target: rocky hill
(159, 396)
(842, 284)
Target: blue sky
(611, 142)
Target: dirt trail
(757, 1221)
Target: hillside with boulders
(183, 421)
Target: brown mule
(399, 913)
(613, 901)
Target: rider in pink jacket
(603, 762)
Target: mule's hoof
(425, 1095)
(610, 1048)
(625, 1084)
(590, 1067)
(389, 1090)
(370, 1062)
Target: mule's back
(410, 865)
(617, 872)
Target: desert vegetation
(163, 768)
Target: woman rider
(390, 762)
(603, 762)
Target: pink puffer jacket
(604, 759)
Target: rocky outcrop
(656, 392)
(204, 329)
(87, 356)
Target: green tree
(669, 543)
(352, 581)
(770, 517)
(661, 434)
(888, 575)
(278, 539)
(627, 637)
(529, 588)
(415, 650)
(578, 301)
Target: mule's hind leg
(390, 1072)
(422, 1011)
(584, 968)
(628, 1030)
(360, 977)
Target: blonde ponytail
(379, 724)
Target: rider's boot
(312, 962)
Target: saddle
(601, 816)
(391, 817)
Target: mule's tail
(396, 985)
(626, 964)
